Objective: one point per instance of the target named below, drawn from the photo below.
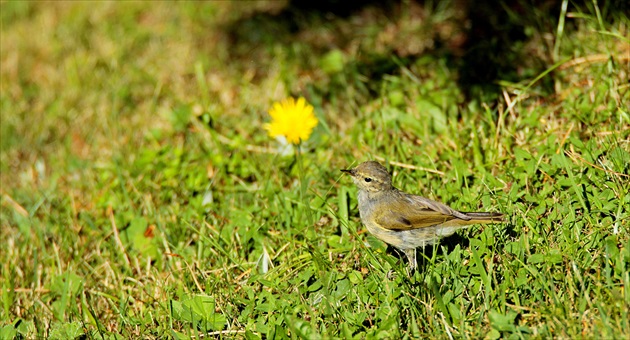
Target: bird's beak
(348, 171)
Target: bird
(403, 220)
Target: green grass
(141, 197)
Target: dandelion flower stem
(303, 184)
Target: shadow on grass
(447, 245)
(493, 46)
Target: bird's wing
(408, 212)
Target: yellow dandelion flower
(294, 120)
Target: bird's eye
(367, 179)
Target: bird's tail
(485, 217)
(469, 218)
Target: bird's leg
(411, 256)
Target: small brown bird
(403, 220)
